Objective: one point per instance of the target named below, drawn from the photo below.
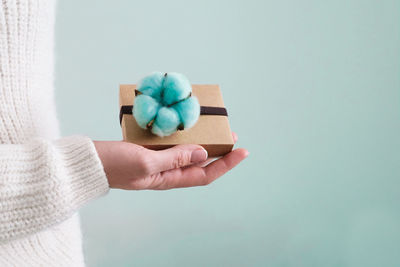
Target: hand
(133, 167)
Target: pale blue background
(313, 91)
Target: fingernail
(198, 155)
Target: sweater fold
(44, 182)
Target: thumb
(177, 157)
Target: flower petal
(189, 111)
(166, 123)
(152, 85)
(145, 108)
(176, 88)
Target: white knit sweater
(44, 179)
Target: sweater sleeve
(44, 182)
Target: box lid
(211, 131)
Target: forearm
(43, 183)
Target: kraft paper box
(211, 131)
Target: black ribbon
(204, 110)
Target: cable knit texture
(44, 179)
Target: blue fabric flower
(165, 103)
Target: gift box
(211, 131)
